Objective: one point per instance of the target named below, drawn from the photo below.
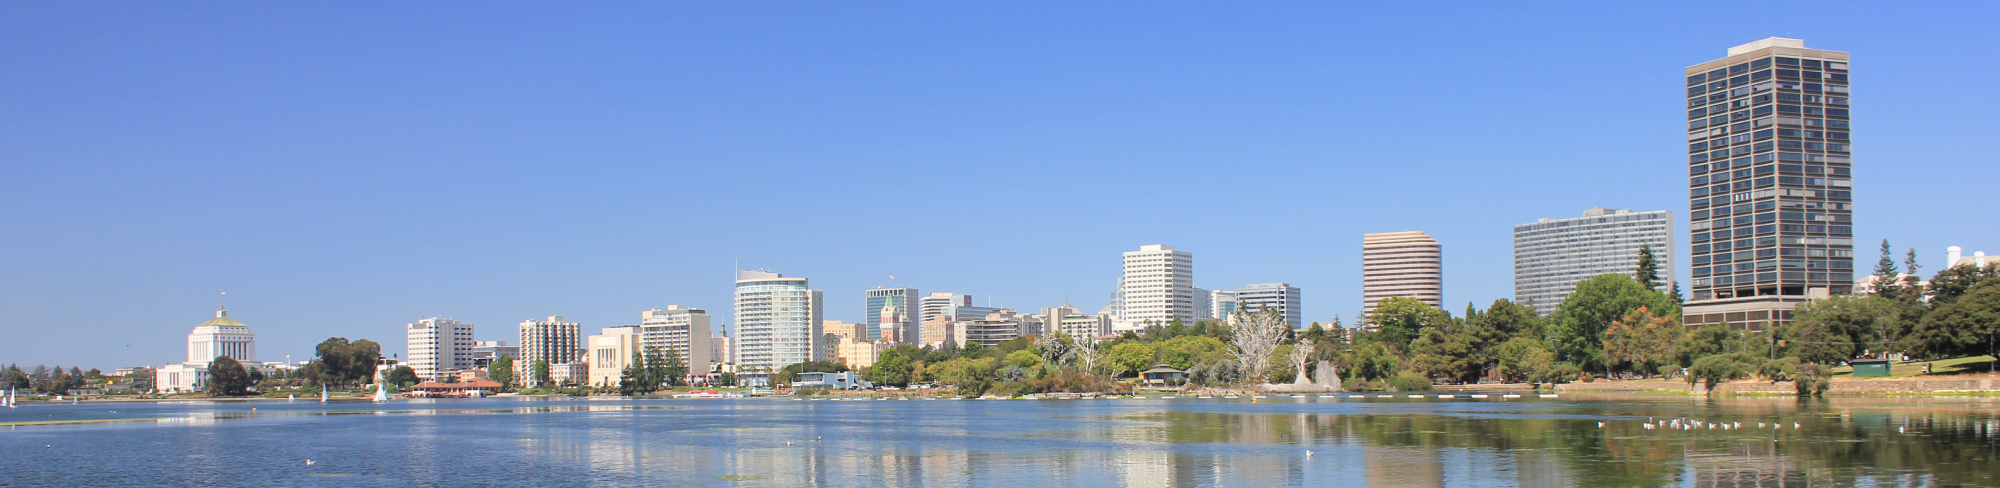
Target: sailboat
(381, 395)
(9, 400)
(322, 392)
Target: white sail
(322, 392)
(381, 395)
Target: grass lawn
(1969, 364)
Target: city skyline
(133, 212)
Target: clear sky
(345, 169)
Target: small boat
(292, 397)
(322, 392)
(9, 399)
(381, 394)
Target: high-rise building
(1552, 255)
(1156, 288)
(683, 330)
(903, 304)
(555, 341)
(1281, 297)
(1401, 264)
(610, 352)
(777, 321)
(1771, 212)
(1204, 304)
(1222, 304)
(438, 347)
(943, 304)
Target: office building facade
(1156, 287)
(1770, 183)
(1552, 255)
(1280, 297)
(1222, 304)
(438, 347)
(777, 321)
(1401, 264)
(943, 304)
(610, 352)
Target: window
(1786, 109)
(1696, 79)
(1788, 97)
(1761, 63)
(1761, 75)
(1810, 63)
(1698, 169)
(1836, 66)
(1745, 68)
(1789, 168)
(1788, 61)
(1788, 73)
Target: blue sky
(342, 170)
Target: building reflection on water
(1157, 443)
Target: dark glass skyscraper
(1770, 210)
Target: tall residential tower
(1401, 264)
(777, 321)
(438, 347)
(1552, 255)
(1771, 212)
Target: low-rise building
(609, 352)
(845, 380)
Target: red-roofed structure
(464, 389)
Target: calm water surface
(1049, 443)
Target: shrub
(1408, 381)
(1355, 384)
(1008, 389)
(1812, 380)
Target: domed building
(221, 336)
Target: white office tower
(1552, 255)
(218, 337)
(943, 304)
(1157, 287)
(901, 329)
(1400, 264)
(722, 348)
(777, 321)
(1222, 304)
(610, 352)
(438, 347)
(553, 340)
(1281, 297)
(683, 330)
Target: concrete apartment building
(1552, 255)
(894, 314)
(683, 330)
(1282, 297)
(1156, 288)
(610, 351)
(722, 348)
(1401, 264)
(778, 321)
(438, 347)
(555, 341)
(1770, 183)
(1070, 321)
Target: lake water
(1018, 443)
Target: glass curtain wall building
(1552, 255)
(777, 321)
(1770, 185)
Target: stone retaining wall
(1840, 386)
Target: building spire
(222, 310)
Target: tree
(1578, 324)
(1955, 281)
(541, 371)
(1300, 358)
(61, 384)
(1023, 359)
(501, 370)
(402, 377)
(1678, 300)
(1130, 357)
(1370, 360)
(1718, 368)
(1836, 329)
(1520, 357)
(1648, 272)
(664, 367)
(893, 368)
(1709, 340)
(1447, 351)
(1644, 340)
(1398, 320)
(343, 362)
(1963, 327)
(1253, 337)
(226, 377)
(1885, 272)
